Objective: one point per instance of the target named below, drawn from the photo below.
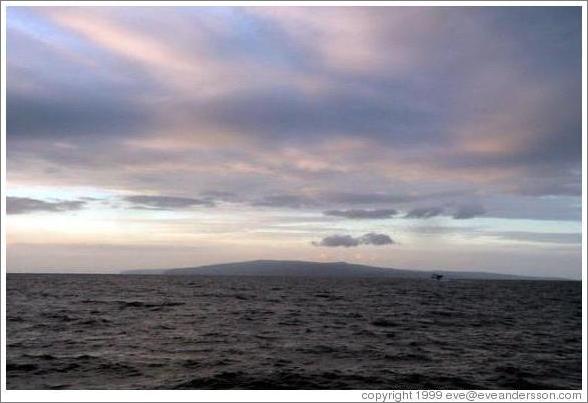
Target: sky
(421, 138)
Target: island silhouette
(295, 268)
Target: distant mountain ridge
(294, 268)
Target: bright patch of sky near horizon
(150, 137)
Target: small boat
(436, 276)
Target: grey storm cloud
(424, 212)
(362, 214)
(348, 241)
(468, 211)
(24, 205)
(166, 202)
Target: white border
(257, 395)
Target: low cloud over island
(348, 241)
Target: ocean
(194, 332)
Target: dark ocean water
(138, 332)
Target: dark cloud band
(24, 205)
(165, 202)
(362, 214)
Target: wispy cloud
(461, 212)
(468, 211)
(362, 214)
(166, 202)
(424, 212)
(24, 205)
(537, 237)
(285, 200)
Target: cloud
(561, 186)
(462, 212)
(284, 200)
(362, 214)
(424, 212)
(166, 202)
(348, 241)
(67, 115)
(58, 93)
(24, 205)
(221, 195)
(288, 114)
(222, 103)
(468, 211)
(376, 239)
(366, 197)
(539, 237)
